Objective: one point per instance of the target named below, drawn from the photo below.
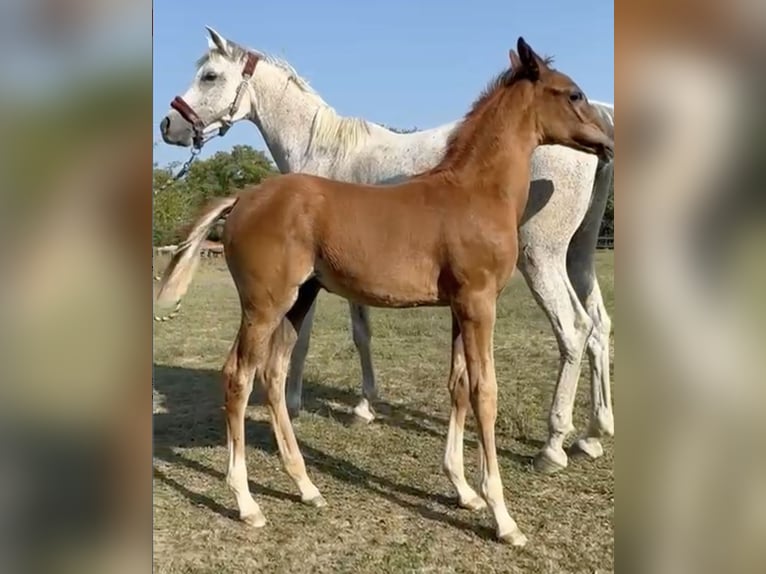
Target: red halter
(198, 126)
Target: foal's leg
(453, 453)
(546, 275)
(360, 326)
(601, 416)
(298, 363)
(280, 346)
(245, 358)
(476, 316)
(253, 354)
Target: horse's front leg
(475, 313)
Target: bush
(217, 176)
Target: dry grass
(390, 507)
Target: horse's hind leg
(546, 275)
(453, 453)
(280, 347)
(360, 326)
(298, 363)
(244, 360)
(601, 415)
(582, 273)
(262, 350)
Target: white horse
(557, 237)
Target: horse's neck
(284, 114)
(498, 153)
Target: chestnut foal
(447, 237)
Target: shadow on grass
(195, 497)
(193, 398)
(191, 417)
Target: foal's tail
(179, 272)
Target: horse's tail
(179, 272)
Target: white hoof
(475, 503)
(317, 501)
(550, 461)
(363, 412)
(514, 538)
(254, 519)
(590, 447)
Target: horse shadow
(189, 414)
(193, 399)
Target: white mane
(329, 129)
(607, 113)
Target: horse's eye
(209, 77)
(576, 96)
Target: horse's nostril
(164, 125)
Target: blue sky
(404, 63)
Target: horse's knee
(458, 387)
(237, 386)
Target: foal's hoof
(476, 503)
(548, 461)
(514, 538)
(317, 501)
(591, 447)
(254, 520)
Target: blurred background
(690, 234)
(75, 293)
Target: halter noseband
(198, 126)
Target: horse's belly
(381, 288)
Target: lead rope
(226, 123)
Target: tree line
(221, 175)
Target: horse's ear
(529, 59)
(217, 42)
(515, 61)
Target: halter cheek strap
(247, 73)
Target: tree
(607, 224)
(217, 176)
(400, 130)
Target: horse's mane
(329, 129)
(462, 134)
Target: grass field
(390, 508)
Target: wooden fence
(606, 242)
(209, 249)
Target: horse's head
(564, 115)
(220, 94)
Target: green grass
(390, 507)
